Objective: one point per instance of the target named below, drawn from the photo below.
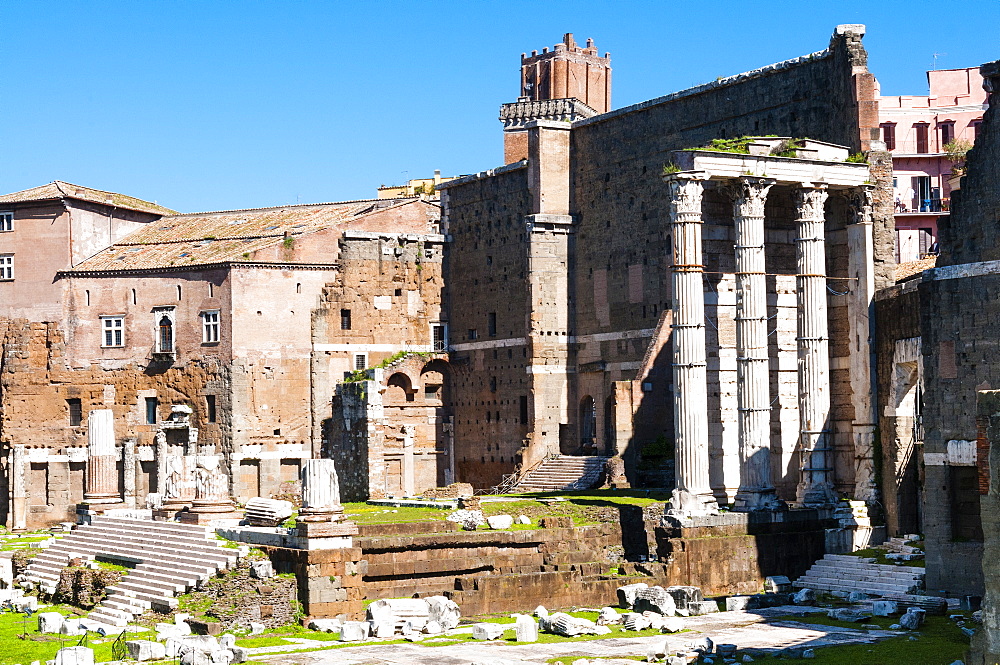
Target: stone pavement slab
(741, 628)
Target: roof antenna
(936, 56)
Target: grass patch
(879, 556)
(14, 649)
(363, 513)
(939, 642)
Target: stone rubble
(654, 599)
(628, 593)
(487, 631)
(525, 629)
(500, 521)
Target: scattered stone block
(635, 621)
(685, 595)
(469, 519)
(523, 519)
(777, 584)
(884, 608)
(261, 569)
(354, 631)
(167, 630)
(808, 653)
(397, 610)
(608, 616)
(703, 607)
(227, 641)
(627, 594)
(567, 626)
(240, 654)
(50, 622)
(433, 628)
(267, 512)
(913, 619)
(703, 646)
(72, 628)
(500, 521)
(75, 656)
(326, 625)
(804, 597)
(146, 650)
(848, 614)
(444, 611)
(487, 631)
(857, 596)
(525, 629)
(195, 658)
(737, 603)
(601, 630)
(256, 628)
(383, 629)
(654, 599)
(672, 625)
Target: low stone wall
(330, 582)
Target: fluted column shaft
(815, 479)
(693, 494)
(320, 491)
(102, 467)
(753, 388)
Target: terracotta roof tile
(57, 189)
(229, 235)
(911, 268)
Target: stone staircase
(165, 559)
(845, 573)
(562, 472)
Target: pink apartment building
(916, 129)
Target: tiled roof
(911, 268)
(233, 235)
(57, 189)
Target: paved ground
(741, 628)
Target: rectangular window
(491, 323)
(439, 336)
(360, 360)
(210, 327)
(210, 407)
(6, 221)
(921, 130)
(75, 407)
(113, 328)
(6, 267)
(947, 133)
(151, 404)
(524, 409)
(889, 135)
(975, 129)
(473, 334)
(345, 319)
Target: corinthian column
(102, 468)
(692, 494)
(320, 492)
(752, 388)
(815, 454)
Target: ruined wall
(959, 310)
(486, 275)
(619, 267)
(44, 454)
(899, 370)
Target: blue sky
(214, 105)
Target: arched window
(165, 334)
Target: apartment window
(473, 334)
(6, 221)
(75, 407)
(210, 407)
(210, 327)
(921, 131)
(165, 334)
(491, 323)
(6, 267)
(113, 328)
(360, 360)
(975, 129)
(889, 135)
(523, 408)
(947, 133)
(439, 336)
(151, 404)
(345, 319)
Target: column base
(819, 496)
(753, 500)
(686, 504)
(190, 517)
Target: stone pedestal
(178, 482)
(320, 522)
(211, 498)
(693, 494)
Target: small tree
(956, 150)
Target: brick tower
(565, 84)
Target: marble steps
(166, 558)
(563, 472)
(849, 573)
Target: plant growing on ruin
(288, 242)
(670, 168)
(956, 150)
(857, 158)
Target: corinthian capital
(860, 203)
(809, 200)
(749, 195)
(686, 189)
